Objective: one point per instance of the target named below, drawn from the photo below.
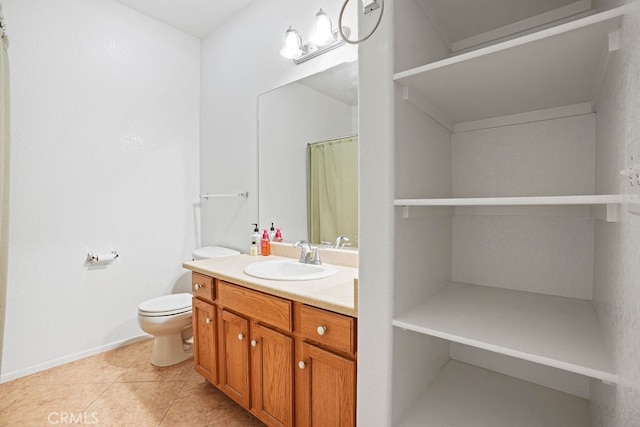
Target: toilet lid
(175, 303)
(213, 252)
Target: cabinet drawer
(265, 308)
(331, 329)
(202, 286)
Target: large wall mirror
(307, 157)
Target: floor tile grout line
(171, 404)
(99, 396)
(26, 389)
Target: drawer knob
(322, 330)
(197, 286)
(240, 337)
(207, 320)
(254, 343)
(301, 365)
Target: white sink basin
(284, 269)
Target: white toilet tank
(213, 252)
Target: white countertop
(337, 293)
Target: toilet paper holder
(94, 257)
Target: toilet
(168, 318)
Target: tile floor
(119, 388)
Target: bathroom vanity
(284, 350)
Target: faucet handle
(315, 257)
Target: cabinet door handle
(207, 320)
(240, 337)
(254, 343)
(301, 365)
(197, 286)
(321, 330)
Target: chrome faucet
(340, 241)
(308, 255)
(305, 254)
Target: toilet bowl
(169, 318)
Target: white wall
(376, 246)
(104, 156)
(290, 117)
(617, 256)
(487, 249)
(239, 62)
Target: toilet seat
(167, 305)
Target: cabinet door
(271, 376)
(204, 340)
(233, 334)
(325, 388)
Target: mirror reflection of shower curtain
(333, 190)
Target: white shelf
(554, 331)
(605, 199)
(552, 68)
(466, 396)
(607, 206)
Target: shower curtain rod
(332, 140)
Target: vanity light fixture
(324, 39)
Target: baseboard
(70, 358)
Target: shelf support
(608, 213)
(405, 212)
(421, 103)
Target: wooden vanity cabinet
(288, 363)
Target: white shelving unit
(527, 100)
(555, 331)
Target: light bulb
(323, 33)
(292, 45)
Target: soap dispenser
(265, 244)
(278, 237)
(255, 236)
(272, 233)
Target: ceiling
(196, 17)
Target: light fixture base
(311, 50)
